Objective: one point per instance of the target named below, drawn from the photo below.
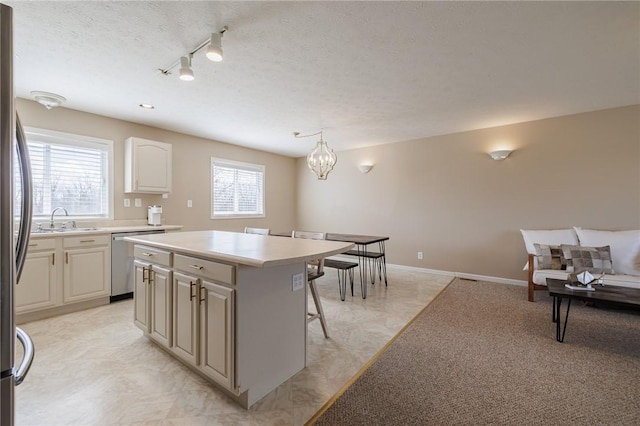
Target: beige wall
(191, 169)
(446, 197)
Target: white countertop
(244, 249)
(105, 230)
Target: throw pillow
(592, 259)
(625, 247)
(550, 257)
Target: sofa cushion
(550, 257)
(625, 247)
(552, 237)
(593, 259)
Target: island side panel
(271, 327)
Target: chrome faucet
(51, 224)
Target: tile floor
(95, 368)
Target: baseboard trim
(462, 275)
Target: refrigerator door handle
(26, 211)
(25, 365)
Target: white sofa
(624, 255)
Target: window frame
(74, 140)
(237, 165)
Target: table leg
(384, 263)
(560, 329)
(362, 265)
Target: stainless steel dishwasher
(122, 264)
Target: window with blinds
(70, 171)
(237, 189)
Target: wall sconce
(500, 155)
(214, 53)
(365, 168)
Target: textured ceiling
(366, 72)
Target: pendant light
(322, 159)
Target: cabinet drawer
(205, 268)
(153, 255)
(87, 240)
(36, 244)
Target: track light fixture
(186, 73)
(214, 53)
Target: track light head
(186, 73)
(214, 51)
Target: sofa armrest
(532, 286)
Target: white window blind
(237, 189)
(70, 171)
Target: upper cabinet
(147, 166)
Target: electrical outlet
(419, 255)
(189, 203)
(298, 282)
(127, 202)
(138, 202)
(165, 196)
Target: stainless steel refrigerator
(13, 243)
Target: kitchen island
(231, 306)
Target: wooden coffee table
(620, 296)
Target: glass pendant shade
(321, 160)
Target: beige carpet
(482, 354)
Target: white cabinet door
(185, 317)
(141, 296)
(161, 323)
(37, 286)
(147, 166)
(87, 274)
(216, 327)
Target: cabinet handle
(145, 278)
(191, 287)
(152, 275)
(87, 241)
(53, 258)
(202, 298)
(33, 245)
(198, 267)
(147, 254)
(66, 257)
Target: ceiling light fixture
(186, 73)
(49, 100)
(214, 53)
(500, 155)
(322, 159)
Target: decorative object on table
(322, 159)
(584, 281)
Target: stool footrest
(369, 254)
